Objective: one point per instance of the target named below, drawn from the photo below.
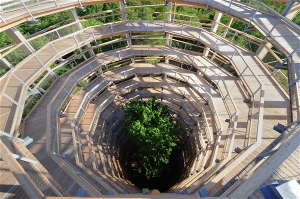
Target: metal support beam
(27, 10)
(46, 68)
(6, 63)
(269, 33)
(13, 101)
(70, 95)
(291, 10)
(25, 141)
(229, 7)
(267, 153)
(78, 83)
(79, 26)
(18, 157)
(245, 29)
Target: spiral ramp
(73, 143)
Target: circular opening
(176, 170)
(170, 176)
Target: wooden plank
(269, 166)
(22, 177)
(91, 191)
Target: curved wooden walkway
(276, 102)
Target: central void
(177, 170)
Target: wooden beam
(23, 178)
(272, 53)
(39, 168)
(259, 176)
(81, 182)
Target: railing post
(112, 31)
(199, 38)
(93, 35)
(207, 4)
(76, 41)
(27, 9)
(181, 30)
(232, 54)
(254, 14)
(269, 33)
(229, 7)
(70, 95)
(47, 69)
(56, 51)
(79, 84)
(3, 19)
(58, 34)
(13, 101)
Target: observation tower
(234, 90)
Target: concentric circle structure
(239, 127)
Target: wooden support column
(124, 18)
(18, 38)
(168, 36)
(214, 28)
(262, 51)
(78, 25)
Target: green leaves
(150, 127)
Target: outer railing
(233, 113)
(30, 7)
(261, 100)
(215, 47)
(148, 48)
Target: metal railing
(254, 95)
(96, 116)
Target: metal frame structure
(211, 83)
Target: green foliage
(91, 9)
(83, 84)
(197, 12)
(4, 39)
(91, 22)
(45, 22)
(39, 42)
(2, 71)
(284, 83)
(64, 69)
(132, 15)
(150, 127)
(152, 60)
(296, 20)
(15, 56)
(30, 106)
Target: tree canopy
(149, 125)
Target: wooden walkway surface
(276, 101)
